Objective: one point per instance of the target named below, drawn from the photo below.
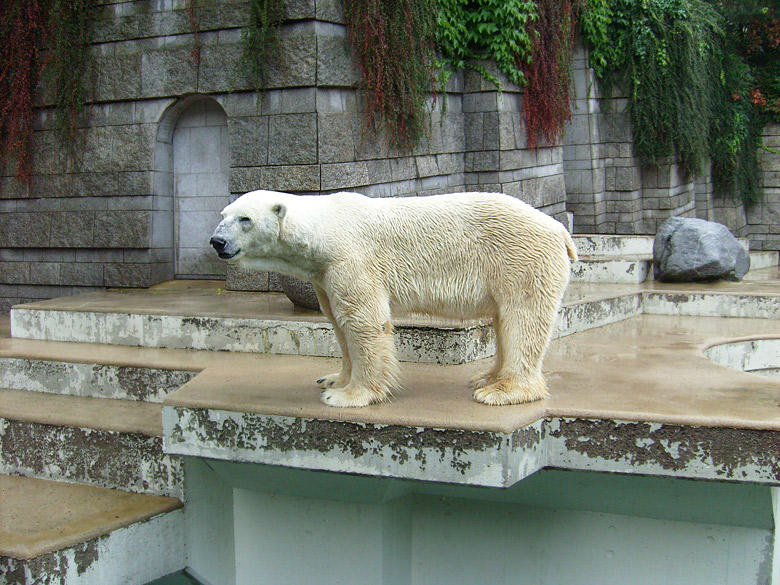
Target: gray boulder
(300, 292)
(692, 250)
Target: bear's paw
(512, 391)
(353, 395)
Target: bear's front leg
(363, 314)
(339, 379)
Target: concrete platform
(649, 381)
(65, 533)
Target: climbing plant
(395, 41)
(26, 28)
(22, 29)
(260, 39)
(469, 31)
(701, 76)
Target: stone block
(336, 142)
(15, 272)
(117, 77)
(335, 64)
(292, 139)
(248, 138)
(250, 280)
(291, 178)
(122, 229)
(403, 168)
(73, 229)
(329, 11)
(80, 274)
(474, 131)
(344, 175)
(127, 275)
(169, 72)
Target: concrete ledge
(59, 533)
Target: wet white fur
(464, 255)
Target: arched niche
(191, 183)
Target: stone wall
(129, 210)
(168, 139)
(609, 190)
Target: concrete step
(760, 260)
(67, 534)
(613, 246)
(612, 269)
(606, 269)
(86, 378)
(94, 441)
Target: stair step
(759, 260)
(94, 441)
(91, 379)
(613, 246)
(53, 532)
(612, 270)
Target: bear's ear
(279, 209)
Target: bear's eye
(244, 221)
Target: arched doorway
(200, 187)
(192, 160)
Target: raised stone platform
(636, 391)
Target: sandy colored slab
(648, 368)
(122, 416)
(39, 516)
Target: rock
(691, 250)
(300, 292)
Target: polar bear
(462, 255)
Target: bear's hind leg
(522, 336)
(339, 379)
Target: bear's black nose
(218, 243)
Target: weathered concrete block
(689, 249)
(292, 139)
(336, 143)
(168, 72)
(248, 141)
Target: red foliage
(394, 43)
(22, 29)
(547, 97)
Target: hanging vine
(696, 88)
(22, 31)
(547, 97)
(26, 27)
(395, 42)
(260, 39)
(66, 69)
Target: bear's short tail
(570, 247)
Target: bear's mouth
(228, 255)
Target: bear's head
(251, 226)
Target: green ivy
(260, 39)
(67, 69)
(496, 30)
(688, 88)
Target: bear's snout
(218, 243)
(223, 247)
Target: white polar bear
(463, 255)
